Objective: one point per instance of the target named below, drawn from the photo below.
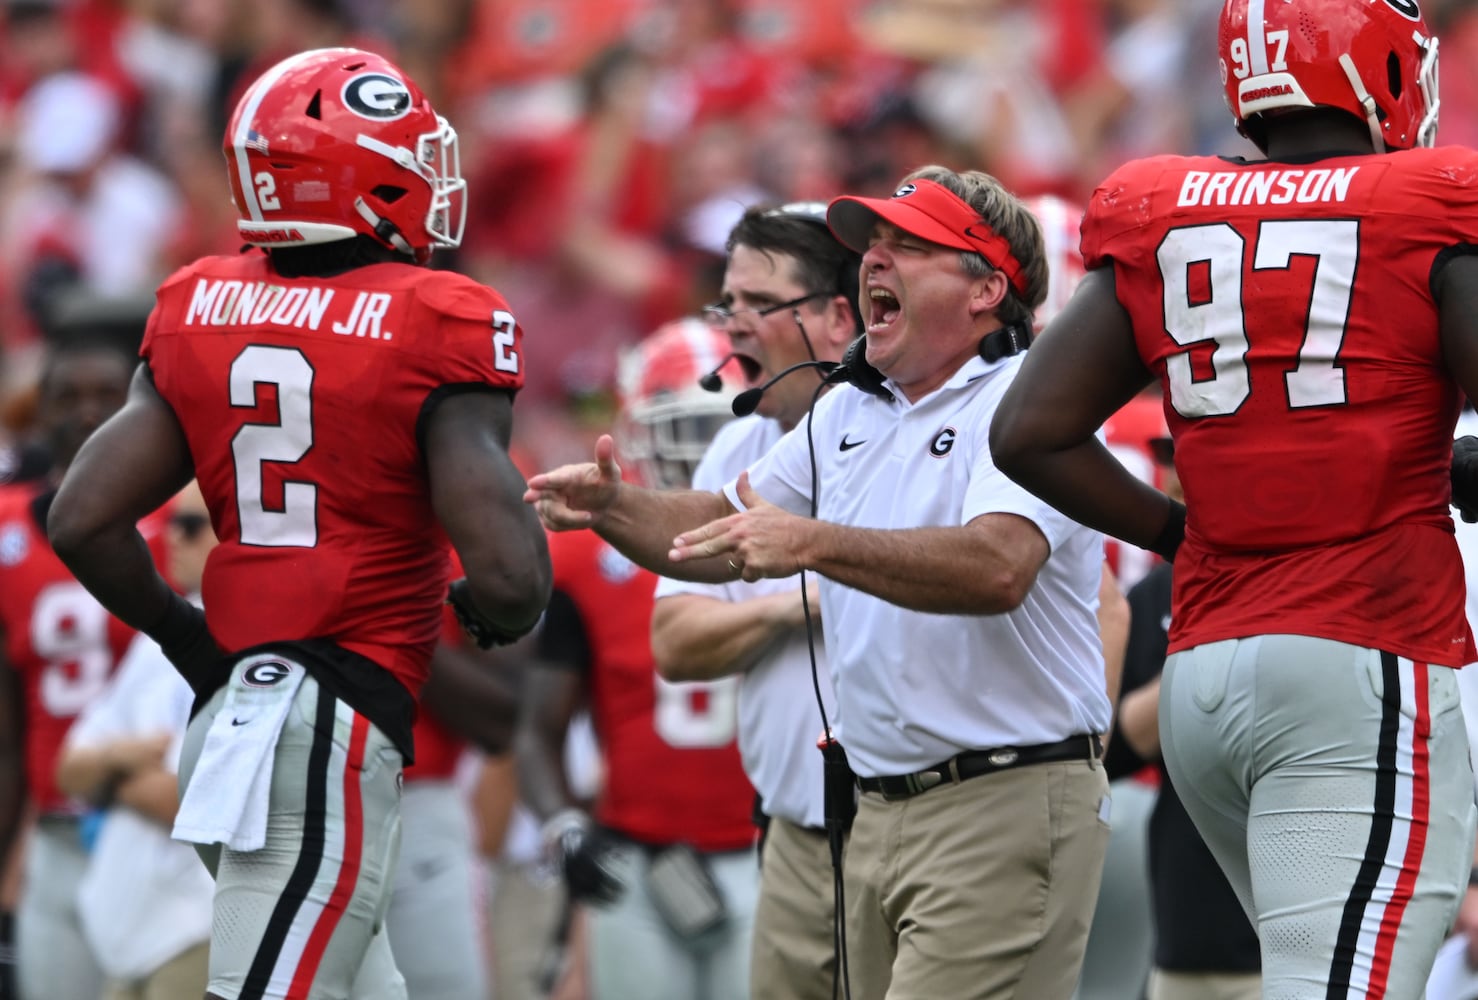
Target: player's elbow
(510, 581)
(668, 655)
(72, 528)
(1011, 448)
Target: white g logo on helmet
(377, 96)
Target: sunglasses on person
(189, 524)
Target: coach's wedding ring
(735, 566)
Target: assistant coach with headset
(959, 611)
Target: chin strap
(386, 230)
(1372, 115)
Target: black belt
(973, 763)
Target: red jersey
(672, 768)
(1287, 310)
(58, 638)
(301, 400)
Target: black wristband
(1170, 536)
(181, 624)
(187, 643)
(481, 628)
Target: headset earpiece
(855, 370)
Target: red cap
(932, 212)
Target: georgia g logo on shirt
(943, 442)
(377, 96)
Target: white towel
(227, 797)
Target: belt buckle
(921, 781)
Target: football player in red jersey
(1313, 320)
(347, 414)
(60, 647)
(667, 871)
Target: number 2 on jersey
(286, 441)
(1317, 379)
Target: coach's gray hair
(1008, 218)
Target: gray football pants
(304, 914)
(1333, 785)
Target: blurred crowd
(609, 147)
(609, 144)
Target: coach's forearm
(698, 638)
(642, 524)
(953, 571)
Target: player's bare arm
(1455, 287)
(475, 693)
(12, 756)
(698, 638)
(94, 773)
(551, 696)
(981, 568)
(127, 469)
(1078, 373)
(641, 523)
(475, 491)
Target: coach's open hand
(575, 496)
(762, 541)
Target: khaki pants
(526, 908)
(181, 978)
(794, 956)
(982, 890)
(1205, 985)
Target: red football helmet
(667, 421)
(1376, 59)
(333, 143)
(1060, 242)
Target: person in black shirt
(1205, 949)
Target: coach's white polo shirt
(779, 719)
(914, 689)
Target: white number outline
(1278, 61)
(84, 645)
(267, 191)
(286, 441)
(505, 358)
(679, 725)
(1318, 378)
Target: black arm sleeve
(562, 641)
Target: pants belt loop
(954, 770)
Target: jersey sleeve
(1443, 192)
(469, 334)
(155, 327)
(1113, 217)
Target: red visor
(932, 212)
